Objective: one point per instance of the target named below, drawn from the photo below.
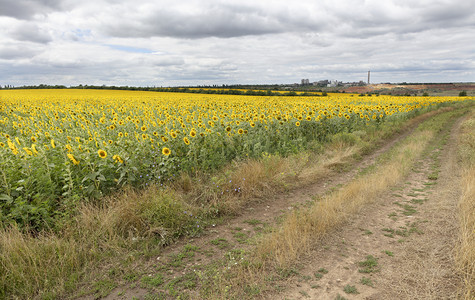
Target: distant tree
(463, 94)
(425, 94)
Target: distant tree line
(223, 90)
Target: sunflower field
(60, 146)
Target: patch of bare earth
(407, 238)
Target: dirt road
(398, 248)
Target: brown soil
(414, 87)
(423, 254)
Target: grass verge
(465, 250)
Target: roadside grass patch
(322, 270)
(418, 201)
(369, 265)
(254, 222)
(408, 210)
(465, 249)
(154, 281)
(366, 231)
(188, 251)
(367, 281)
(350, 289)
(221, 243)
(241, 237)
(305, 294)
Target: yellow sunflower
(102, 153)
(166, 151)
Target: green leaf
(5, 197)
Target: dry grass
(52, 264)
(465, 252)
(28, 263)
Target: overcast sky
(195, 42)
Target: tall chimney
(368, 76)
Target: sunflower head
(166, 151)
(102, 153)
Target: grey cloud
(17, 51)
(217, 21)
(226, 20)
(394, 18)
(26, 9)
(30, 32)
(223, 20)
